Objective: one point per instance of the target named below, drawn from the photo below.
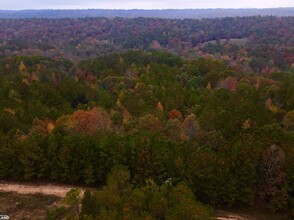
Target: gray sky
(141, 4)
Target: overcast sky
(141, 4)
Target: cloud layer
(141, 4)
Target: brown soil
(223, 215)
(46, 189)
(26, 207)
(254, 215)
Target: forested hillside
(250, 44)
(163, 134)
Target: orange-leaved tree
(89, 122)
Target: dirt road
(46, 189)
(223, 215)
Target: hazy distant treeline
(170, 13)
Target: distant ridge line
(156, 13)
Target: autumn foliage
(175, 114)
(89, 122)
(226, 133)
(160, 107)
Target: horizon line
(142, 9)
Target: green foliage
(288, 120)
(72, 198)
(56, 125)
(119, 199)
(56, 213)
(232, 169)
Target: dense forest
(167, 118)
(249, 44)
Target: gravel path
(224, 215)
(46, 189)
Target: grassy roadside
(31, 206)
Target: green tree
(72, 198)
(288, 120)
